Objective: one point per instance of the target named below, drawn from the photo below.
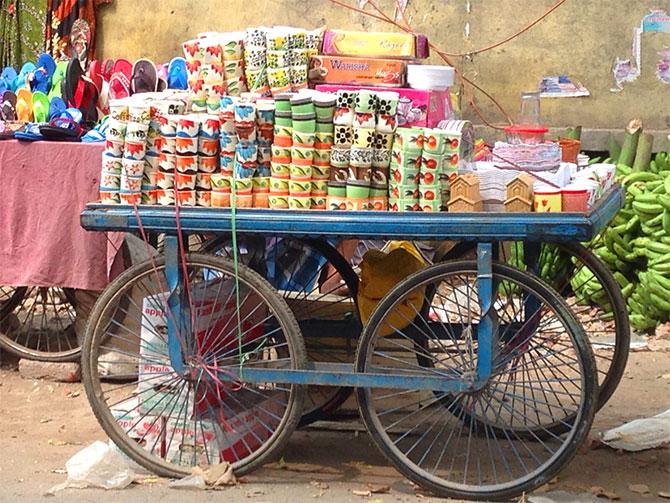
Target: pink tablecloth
(43, 188)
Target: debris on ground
(601, 492)
(639, 488)
(640, 434)
(562, 497)
(98, 465)
(218, 475)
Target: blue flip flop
(7, 79)
(46, 66)
(98, 133)
(24, 76)
(56, 107)
(30, 133)
(177, 74)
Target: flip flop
(30, 133)
(40, 106)
(71, 83)
(177, 76)
(24, 105)
(46, 66)
(103, 99)
(62, 129)
(8, 110)
(161, 70)
(119, 84)
(8, 129)
(57, 80)
(7, 79)
(107, 69)
(89, 103)
(56, 107)
(80, 40)
(98, 133)
(95, 74)
(25, 76)
(145, 77)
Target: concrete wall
(581, 38)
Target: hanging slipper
(177, 75)
(40, 107)
(72, 81)
(7, 79)
(56, 107)
(119, 84)
(89, 103)
(46, 66)
(107, 69)
(80, 40)
(103, 99)
(24, 105)
(57, 80)
(8, 110)
(145, 77)
(25, 76)
(95, 74)
(161, 71)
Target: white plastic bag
(641, 434)
(98, 465)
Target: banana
(627, 290)
(647, 197)
(647, 209)
(621, 279)
(665, 221)
(639, 176)
(664, 200)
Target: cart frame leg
(175, 319)
(485, 332)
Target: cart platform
(361, 224)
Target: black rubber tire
(273, 447)
(612, 376)
(22, 351)
(571, 443)
(350, 278)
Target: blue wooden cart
(474, 378)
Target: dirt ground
(42, 424)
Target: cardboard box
(357, 71)
(187, 438)
(375, 44)
(416, 108)
(215, 331)
(146, 430)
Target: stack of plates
(430, 77)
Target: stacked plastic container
(124, 158)
(360, 158)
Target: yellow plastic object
(24, 105)
(381, 270)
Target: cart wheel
(37, 323)
(484, 444)
(605, 319)
(322, 298)
(170, 422)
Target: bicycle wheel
(320, 287)
(484, 444)
(37, 323)
(169, 422)
(571, 267)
